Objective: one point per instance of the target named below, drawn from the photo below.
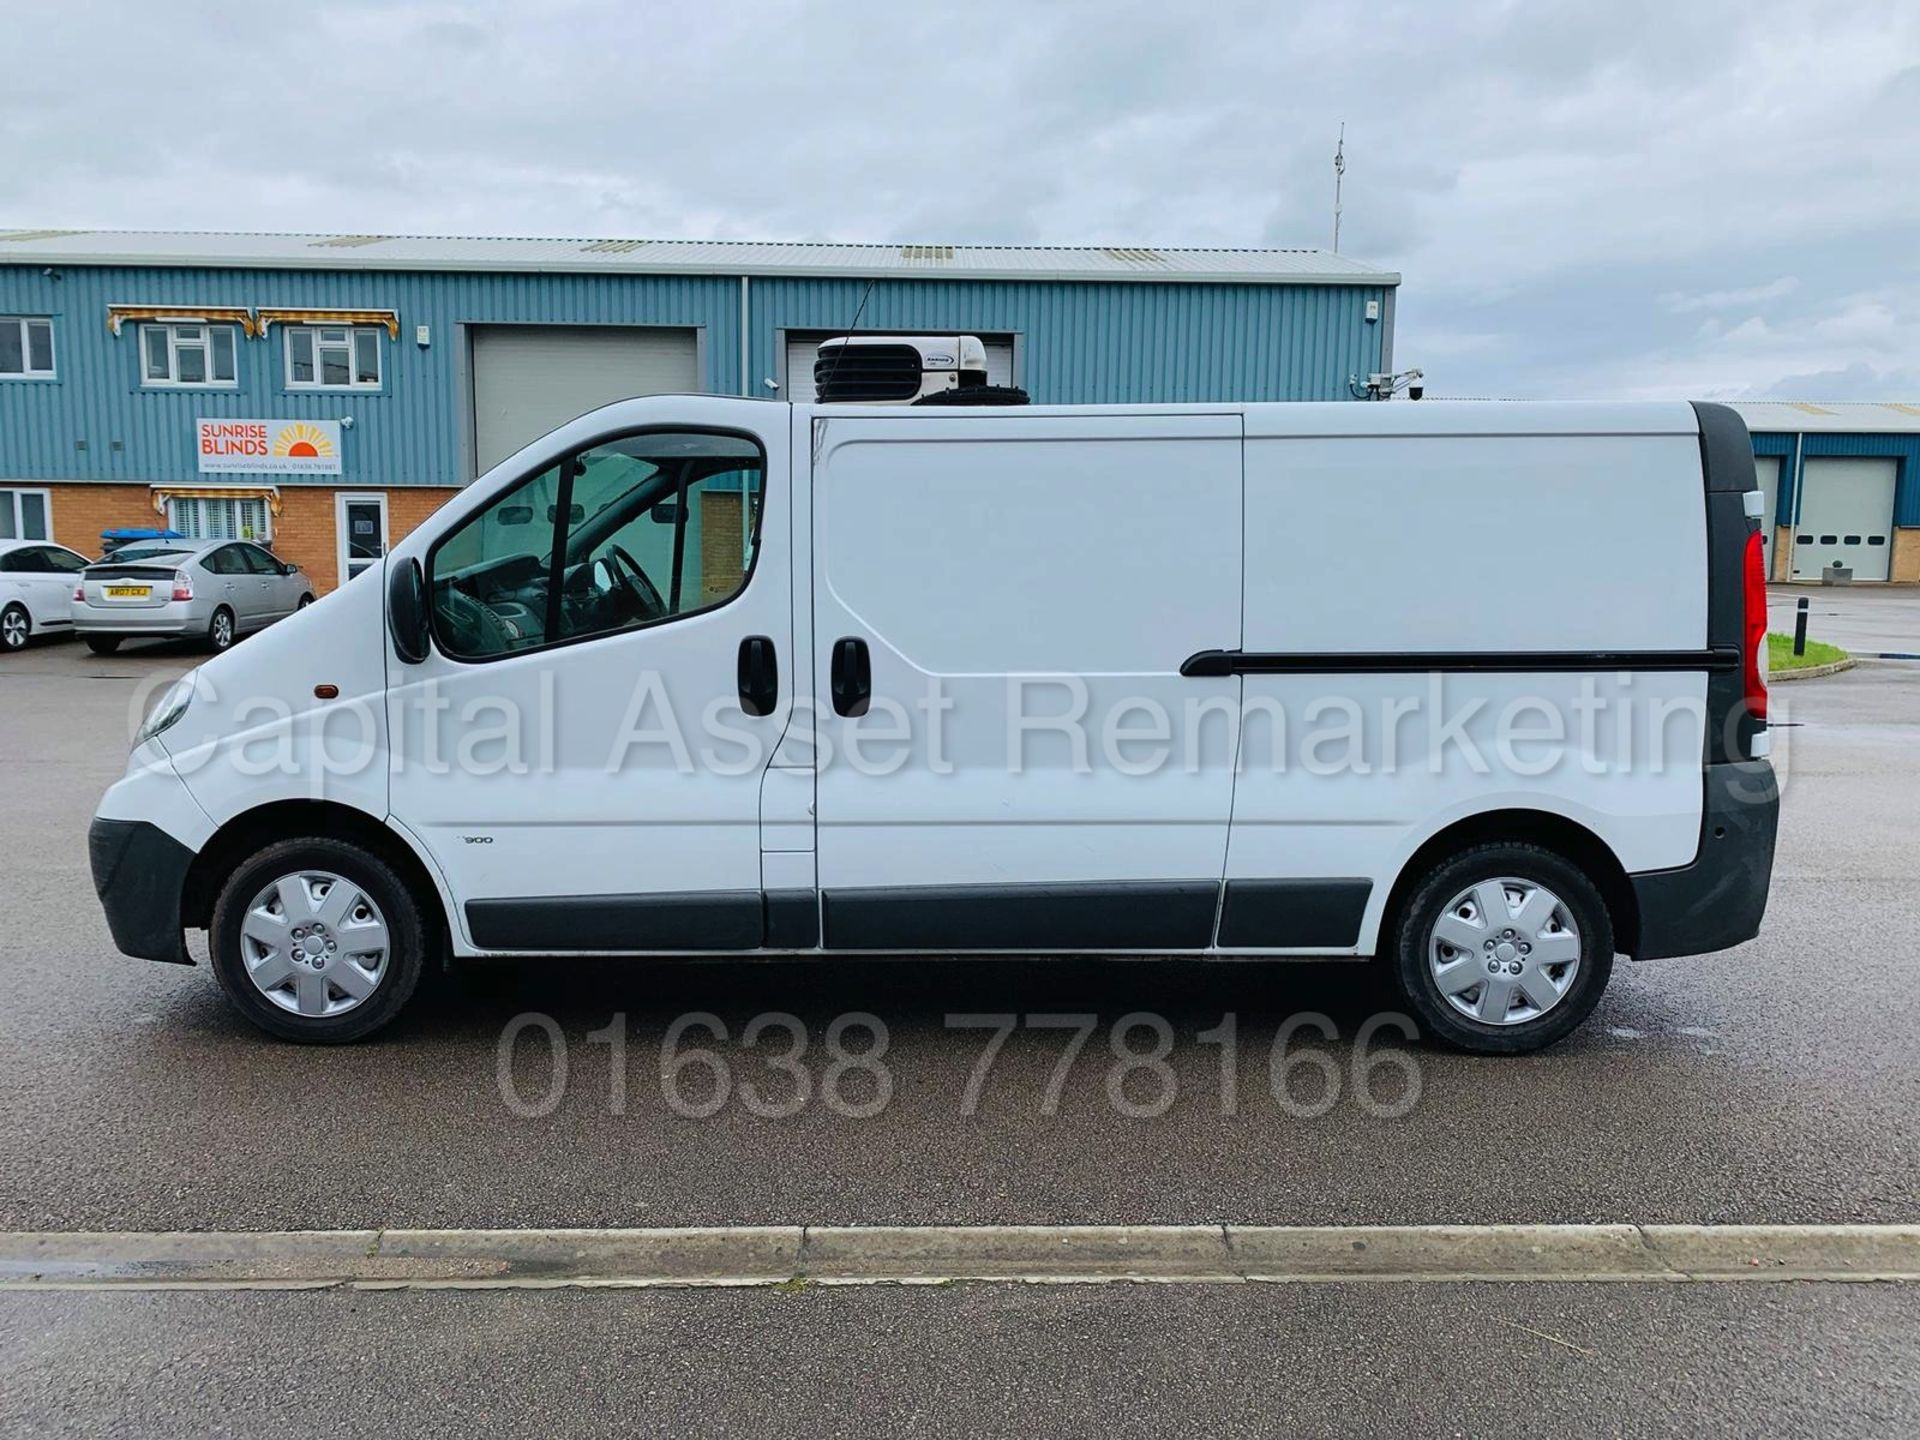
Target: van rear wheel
(317, 940)
(1504, 948)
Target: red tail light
(1755, 683)
(79, 592)
(183, 587)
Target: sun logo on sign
(302, 441)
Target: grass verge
(1780, 654)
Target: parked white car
(37, 581)
(699, 674)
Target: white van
(1472, 689)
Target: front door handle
(852, 678)
(759, 675)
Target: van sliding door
(1009, 757)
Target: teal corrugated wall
(1080, 342)
(1904, 448)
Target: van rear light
(183, 587)
(79, 592)
(1754, 681)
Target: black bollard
(1800, 627)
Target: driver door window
(629, 533)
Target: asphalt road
(973, 1360)
(1775, 1082)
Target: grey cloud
(1568, 188)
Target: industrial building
(324, 393)
(1841, 484)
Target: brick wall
(81, 512)
(720, 540)
(303, 531)
(1906, 556)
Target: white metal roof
(690, 257)
(1859, 417)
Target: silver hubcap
(1505, 951)
(314, 944)
(13, 628)
(222, 630)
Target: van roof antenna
(841, 353)
(1339, 173)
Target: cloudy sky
(1611, 199)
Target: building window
(187, 355)
(333, 357)
(26, 347)
(239, 517)
(26, 515)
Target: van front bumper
(1718, 900)
(140, 873)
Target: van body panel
(256, 732)
(1011, 571)
(1426, 543)
(1352, 780)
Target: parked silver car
(211, 589)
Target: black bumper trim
(1293, 914)
(671, 922)
(1717, 901)
(139, 873)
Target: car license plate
(128, 592)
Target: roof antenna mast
(1339, 173)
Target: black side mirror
(407, 618)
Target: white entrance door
(1010, 597)
(360, 528)
(1846, 517)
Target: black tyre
(305, 600)
(16, 627)
(220, 630)
(1503, 948)
(104, 644)
(317, 941)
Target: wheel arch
(1565, 837)
(254, 829)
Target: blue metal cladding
(1080, 342)
(1903, 448)
(1087, 343)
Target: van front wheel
(1504, 948)
(317, 940)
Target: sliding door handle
(852, 678)
(759, 675)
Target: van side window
(628, 533)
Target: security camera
(1416, 392)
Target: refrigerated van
(1475, 691)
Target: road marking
(800, 1255)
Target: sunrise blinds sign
(269, 447)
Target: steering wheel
(472, 625)
(633, 581)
